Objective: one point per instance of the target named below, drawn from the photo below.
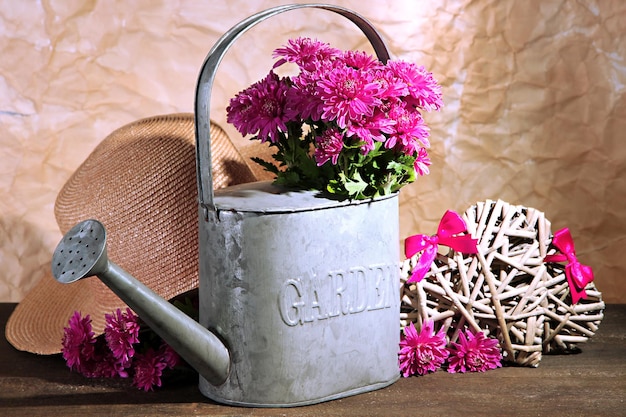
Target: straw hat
(140, 182)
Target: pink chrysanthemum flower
(303, 101)
(121, 331)
(410, 132)
(104, 364)
(150, 365)
(422, 352)
(347, 94)
(423, 90)
(474, 353)
(328, 146)
(422, 162)
(260, 109)
(110, 367)
(168, 356)
(78, 341)
(390, 87)
(148, 370)
(307, 53)
(361, 60)
(370, 130)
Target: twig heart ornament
(507, 289)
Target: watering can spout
(82, 253)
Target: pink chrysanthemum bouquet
(115, 355)
(347, 124)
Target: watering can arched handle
(209, 69)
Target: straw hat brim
(141, 183)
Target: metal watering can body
(299, 295)
(303, 290)
(305, 294)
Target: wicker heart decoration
(506, 289)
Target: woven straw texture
(505, 290)
(140, 182)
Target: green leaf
(354, 185)
(288, 179)
(268, 166)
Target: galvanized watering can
(299, 295)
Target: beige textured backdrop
(535, 104)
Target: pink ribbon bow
(577, 274)
(450, 233)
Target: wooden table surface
(590, 383)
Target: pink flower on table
(347, 94)
(110, 367)
(78, 341)
(328, 146)
(169, 356)
(474, 353)
(121, 331)
(104, 364)
(150, 365)
(260, 109)
(422, 352)
(148, 370)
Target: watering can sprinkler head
(82, 253)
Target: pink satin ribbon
(577, 274)
(451, 232)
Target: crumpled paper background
(535, 104)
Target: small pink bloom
(409, 132)
(422, 162)
(390, 87)
(365, 134)
(168, 356)
(474, 353)
(111, 367)
(360, 60)
(104, 364)
(149, 366)
(302, 99)
(347, 94)
(328, 146)
(78, 341)
(239, 112)
(422, 352)
(423, 90)
(370, 129)
(260, 109)
(121, 331)
(148, 370)
(307, 53)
